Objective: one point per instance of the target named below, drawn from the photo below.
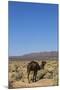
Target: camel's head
(43, 64)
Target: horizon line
(32, 53)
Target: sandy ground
(23, 82)
(40, 83)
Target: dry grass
(18, 74)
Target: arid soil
(18, 74)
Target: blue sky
(32, 27)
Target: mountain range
(52, 55)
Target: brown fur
(34, 66)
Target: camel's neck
(42, 66)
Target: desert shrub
(16, 75)
(12, 76)
(52, 67)
(48, 76)
(55, 80)
(40, 74)
(55, 76)
(12, 68)
(19, 75)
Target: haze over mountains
(53, 55)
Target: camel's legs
(28, 77)
(35, 75)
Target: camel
(34, 66)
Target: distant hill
(53, 55)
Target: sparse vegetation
(45, 77)
(19, 75)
